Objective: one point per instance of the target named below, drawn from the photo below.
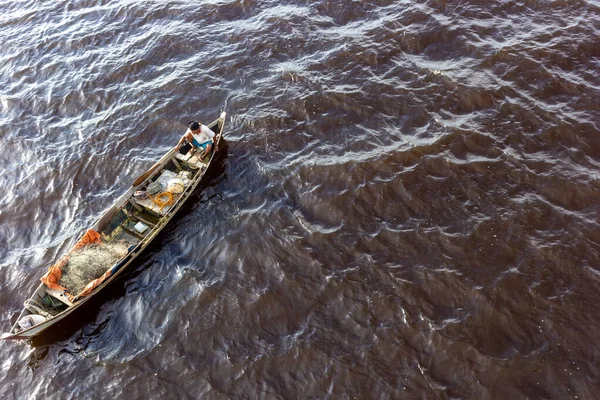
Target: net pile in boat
(90, 263)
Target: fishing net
(90, 263)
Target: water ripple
(407, 205)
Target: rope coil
(158, 199)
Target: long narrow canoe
(132, 222)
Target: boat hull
(132, 255)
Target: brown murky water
(406, 208)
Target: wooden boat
(135, 219)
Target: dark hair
(193, 125)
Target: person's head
(194, 126)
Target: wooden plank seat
(137, 217)
(149, 205)
(59, 295)
(176, 163)
(192, 160)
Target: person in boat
(199, 136)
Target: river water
(407, 205)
